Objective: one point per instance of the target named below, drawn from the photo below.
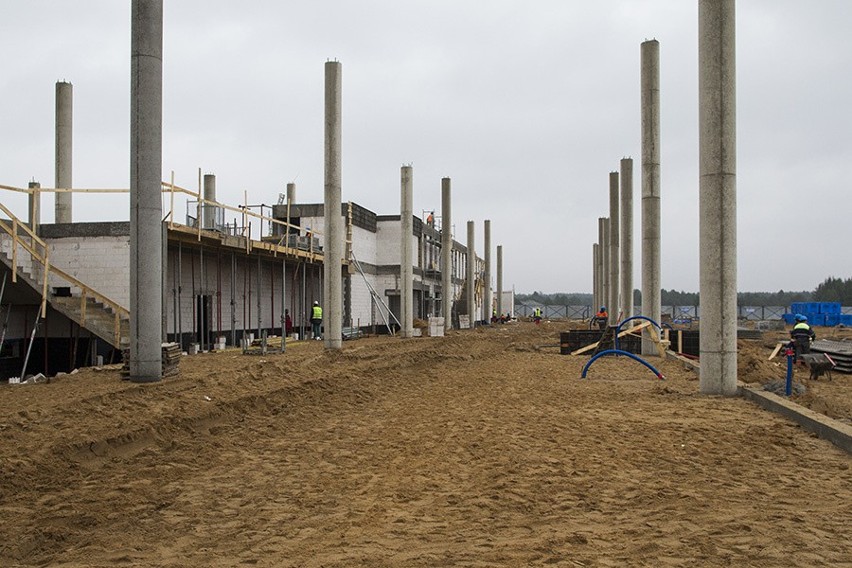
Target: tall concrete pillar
(603, 239)
(446, 254)
(64, 131)
(486, 291)
(613, 302)
(717, 143)
(595, 277)
(209, 210)
(291, 192)
(626, 249)
(651, 279)
(470, 274)
(500, 279)
(34, 206)
(334, 237)
(406, 276)
(146, 157)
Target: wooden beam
(591, 346)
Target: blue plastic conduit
(620, 352)
(618, 329)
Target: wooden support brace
(591, 346)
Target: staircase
(26, 256)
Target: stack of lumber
(171, 358)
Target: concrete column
(334, 236)
(626, 248)
(651, 280)
(500, 279)
(613, 302)
(595, 277)
(208, 210)
(470, 274)
(717, 142)
(446, 254)
(64, 131)
(34, 206)
(603, 239)
(486, 292)
(291, 192)
(146, 157)
(406, 276)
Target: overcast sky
(527, 106)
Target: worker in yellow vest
(316, 321)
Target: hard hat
(603, 308)
(316, 303)
(800, 317)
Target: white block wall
(361, 300)
(102, 263)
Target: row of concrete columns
(717, 202)
(612, 255)
(717, 110)
(407, 259)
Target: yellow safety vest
(316, 313)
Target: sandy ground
(483, 448)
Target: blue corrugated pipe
(620, 352)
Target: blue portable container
(829, 308)
(788, 318)
(816, 319)
(846, 319)
(831, 320)
(798, 307)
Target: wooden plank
(622, 334)
(778, 348)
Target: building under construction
(229, 272)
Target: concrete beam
(500, 279)
(34, 206)
(717, 203)
(613, 301)
(486, 294)
(334, 235)
(209, 211)
(446, 254)
(651, 272)
(406, 275)
(626, 248)
(471, 273)
(146, 158)
(64, 150)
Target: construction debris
(839, 351)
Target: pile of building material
(171, 359)
(436, 327)
(839, 351)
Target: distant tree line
(831, 290)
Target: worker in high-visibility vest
(802, 336)
(316, 321)
(537, 316)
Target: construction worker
(537, 316)
(601, 318)
(802, 335)
(316, 320)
